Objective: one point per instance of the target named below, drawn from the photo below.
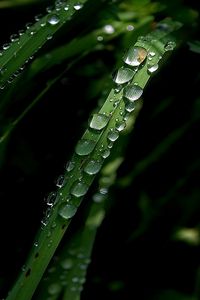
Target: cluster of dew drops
(51, 20)
(133, 59)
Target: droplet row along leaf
(91, 148)
(16, 54)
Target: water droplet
(113, 135)
(79, 189)
(84, 147)
(78, 6)
(36, 244)
(129, 27)
(133, 92)
(99, 121)
(123, 75)
(21, 32)
(98, 198)
(49, 37)
(93, 167)
(70, 166)
(49, 9)
(105, 153)
(66, 8)
(170, 46)
(130, 106)
(152, 54)
(51, 199)
(75, 279)
(6, 46)
(67, 264)
(163, 26)
(99, 38)
(152, 68)
(60, 181)
(14, 38)
(109, 29)
(53, 19)
(135, 56)
(83, 266)
(67, 211)
(54, 288)
(120, 125)
(28, 25)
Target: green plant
(99, 147)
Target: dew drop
(123, 75)
(49, 9)
(98, 198)
(36, 244)
(67, 211)
(99, 38)
(152, 54)
(135, 56)
(113, 135)
(38, 17)
(78, 6)
(79, 189)
(51, 199)
(93, 167)
(70, 166)
(133, 92)
(14, 38)
(66, 8)
(170, 46)
(105, 153)
(53, 19)
(99, 121)
(120, 125)
(152, 68)
(67, 264)
(130, 106)
(54, 288)
(6, 46)
(109, 29)
(130, 27)
(60, 181)
(84, 147)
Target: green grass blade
(90, 153)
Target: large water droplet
(123, 75)
(67, 211)
(130, 106)
(113, 135)
(135, 56)
(170, 46)
(53, 19)
(54, 288)
(93, 167)
(67, 264)
(99, 121)
(79, 189)
(133, 92)
(78, 6)
(84, 147)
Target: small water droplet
(51, 199)
(99, 38)
(99, 121)
(152, 68)
(66, 8)
(67, 264)
(78, 6)
(133, 92)
(98, 198)
(60, 181)
(53, 19)
(109, 29)
(123, 75)
(135, 56)
(6, 46)
(75, 279)
(93, 167)
(54, 288)
(113, 135)
(79, 189)
(28, 25)
(105, 153)
(152, 54)
(14, 38)
(170, 46)
(49, 37)
(49, 9)
(70, 166)
(84, 147)
(67, 211)
(120, 125)
(129, 27)
(130, 106)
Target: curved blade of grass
(22, 48)
(91, 147)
